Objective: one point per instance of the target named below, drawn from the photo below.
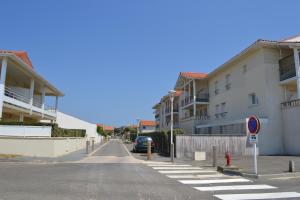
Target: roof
(193, 75)
(147, 123)
(21, 54)
(24, 62)
(106, 128)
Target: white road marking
(276, 195)
(194, 182)
(285, 178)
(176, 168)
(186, 171)
(235, 187)
(200, 176)
(169, 165)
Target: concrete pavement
(113, 173)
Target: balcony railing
(20, 96)
(204, 97)
(175, 110)
(12, 93)
(290, 104)
(287, 68)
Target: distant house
(147, 126)
(23, 92)
(108, 129)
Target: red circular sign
(253, 125)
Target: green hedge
(56, 131)
(161, 140)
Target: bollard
(228, 157)
(87, 147)
(149, 150)
(291, 166)
(93, 145)
(214, 156)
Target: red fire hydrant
(228, 157)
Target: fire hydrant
(228, 157)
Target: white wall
(40, 147)
(25, 131)
(69, 122)
(291, 118)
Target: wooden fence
(187, 145)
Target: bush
(61, 132)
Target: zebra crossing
(205, 180)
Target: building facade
(262, 80)
(24, 93)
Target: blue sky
(114, 59)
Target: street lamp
(172, 94)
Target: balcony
(290, 104)
(175, 110)
(200, 98)
(287, 68)
(20, 97)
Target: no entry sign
(253, 125)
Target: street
(113, 173)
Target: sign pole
(253, 125)
(255, 158)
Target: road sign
(253, 125)
(253, 139)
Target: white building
(23, 92)
(146, 126)
(70, 122)
(262, 80)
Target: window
(223, 112)
(144, 127)
(244, 69)
(228, 84)
(253, 100)
(217, 111)
(216, 87)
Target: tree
(100, 131)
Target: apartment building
(261, 80)
(24, 94)
(163, 112)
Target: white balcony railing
(21, 96)
(15, 94)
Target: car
(141, 144)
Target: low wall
(25, 131)
(40, 147)
(187, 145)
(291, 136)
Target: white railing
(12, 93)
(15, 94)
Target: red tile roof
(147, 123)
(193, 75)
(21, 54)
(106, 128)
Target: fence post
(149, 150)
(93, 145)
(214, 156)
(87, 146)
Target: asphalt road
(112, 173)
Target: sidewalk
(267, 165)
(71, 157)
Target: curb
(236, 172)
